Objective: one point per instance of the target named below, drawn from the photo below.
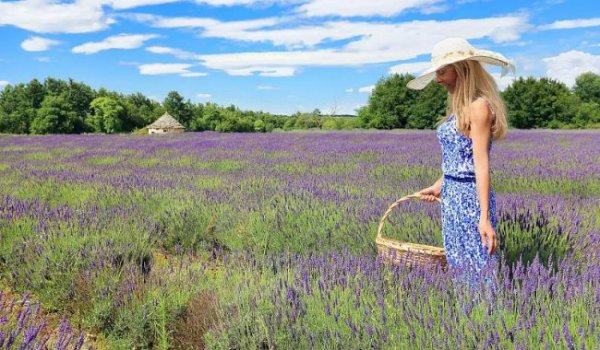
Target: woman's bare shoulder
(479, 112)
(480, 117)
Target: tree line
(57, 106)
(65, 107)
(530, 103)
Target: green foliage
(308, 120)
(178, 108)
(340, 123)
(393, 105)
(429, 106)
(56, 116)
(389, 103)
(547, 103)
(59, 106)
(588, 114)
(141, 111)
(587, 87)
(18, 106)
(259, 126)
(108, 115)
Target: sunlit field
(245, 241)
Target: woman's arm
(481, 132)
(438, 184)
(432, 192)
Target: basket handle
(389, 210)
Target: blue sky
(283, 56)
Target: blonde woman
(476, 117)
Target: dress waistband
(459, 179)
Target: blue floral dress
(460, 208)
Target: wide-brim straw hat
(453, 50)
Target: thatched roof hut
(166, 124)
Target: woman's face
(446, 76)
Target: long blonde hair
(473, 82)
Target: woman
(477, 115)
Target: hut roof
(166, 121)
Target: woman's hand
(488, 236)
(430, 194)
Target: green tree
(428, 107)
(55, 87)
(390, 103)
(259, 126)
(80, 96)
(231, 122)
(289, 123)
(56, 116)
(210, 117)
(587, 115)
(329, 123)
(16, 110)
(587, 87)
(108, 115)
(18, 105)
(36, 93)
(178, 108)
(307, 121)
(140, 111)
(533, 103)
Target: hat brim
(483, 56)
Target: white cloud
(46, 16)
(243, 2)
(373, 43)
(364, 34)
(572, 23)
(176, 22)
(502, 82)
(36, 43)
(411, 68)
(265, 87)
(164, 68)
(125, 4)
(121, 41)
(429, 10)
(385, 8)
(265, 71)
(204, 96)
(350, 90)
(3, 83)
(43, 59)
(181, 54)
(193, 74)
(214, 27)
(568, 65)
(181, 69)
(366, 89)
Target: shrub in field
(339, 300)
(199, 316)
(188, 227)
(23, 326)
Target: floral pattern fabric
(460, 207)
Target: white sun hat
(457, 49)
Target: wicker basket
(411, 254)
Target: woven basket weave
(410, 254)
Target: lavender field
(245, 241)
